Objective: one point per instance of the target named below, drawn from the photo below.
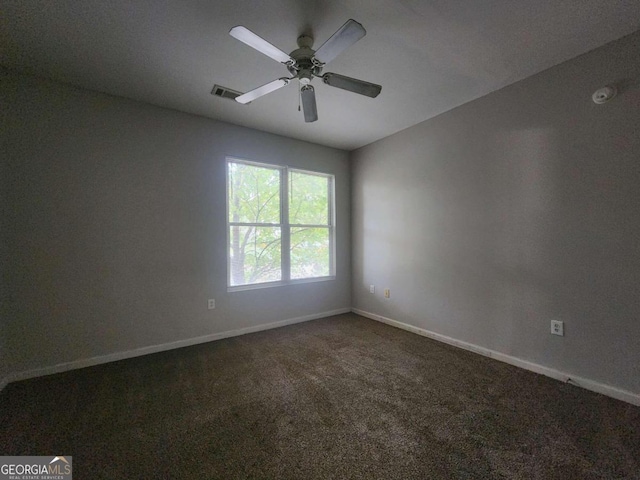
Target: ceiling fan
(305, 63)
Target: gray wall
(117, 226)
(523, 206)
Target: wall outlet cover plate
(557, 327)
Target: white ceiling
(429, 56)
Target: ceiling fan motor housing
(304, 68)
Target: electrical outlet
(557, 327)
(211, 304)
(387, 293)
(372, 289)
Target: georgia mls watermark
(55, 467)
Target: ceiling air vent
(225, 92)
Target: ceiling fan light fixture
(305, 77)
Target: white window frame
(284, 225)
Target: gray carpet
(342, 397)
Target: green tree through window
(280, 224)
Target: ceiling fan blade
(309, 103)
(260, 44)
(352, 84)
(263, 90)
(347, 35)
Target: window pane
(308, 199)
(254, 254)
(310, 255)
(254, 194)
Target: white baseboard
(113, 357)
(619, 394)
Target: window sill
(255, 286)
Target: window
(280, 223)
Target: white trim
(279, 283)
(114, 357)
(610, 391)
